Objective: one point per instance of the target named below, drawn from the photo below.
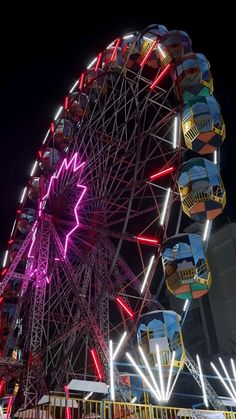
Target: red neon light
(18, 211)
(125, 306)
(10, 242)
(98, 61)
(81, 81)
(66, 103)
(9, 407)
(162, 173)
(40, 154)
(1, 300)
(2, 382)
(148, 53)
(68, 412)
(147, 240)
(161, 75)
(52, 127)
(125, 48)
(4, 271)
(96, 363)
(115, 49)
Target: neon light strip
(81, 81)
(66, 165)
(125, 306)
(13, 228)
(66, 103)
(46, 136)
(161, 50)
(98, 61)
(172, 388)
(88, 395)
(3, 273)
(162, 173)
(146, 240)
(115, 49)
(150, 373)
(9, 406)
(205, 234)
(52, 127)
(112, 391)
(110, 45)
(92, 63)
(142, 376)
(227, 375)
(134, 399)
(175, 136)
(223, 382)
(128, 36)
(215, 157)
(33, 239)
(163, 215)
(74, 86)
(202, 381)
(40, 208)
(185, 305)
(147, 273)
(161, 75)
(23, 195)
(119, 345)
(68, 413)
(148, 53)
(76, 217)
(96, 363)
(58, 113)
(147, 39)
(233, 369)
(33, 168)
(160, 372)
(5, 258)
(170, 377)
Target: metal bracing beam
(10, 273)
(211, 394)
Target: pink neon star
(65, 166)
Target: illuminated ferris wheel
(102, 210)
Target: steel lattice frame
(67, 304)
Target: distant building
(210, 326)
(222, 295)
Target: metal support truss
(11, 272)
(87, 314)
(211, 394)
(35, 385)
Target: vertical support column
(35, 384)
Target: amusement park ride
(99, 220)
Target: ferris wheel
(103, 206)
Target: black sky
(42, 53)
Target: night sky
(42, 54)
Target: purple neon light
(33, 239)
(76, 217)
(75, 165)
